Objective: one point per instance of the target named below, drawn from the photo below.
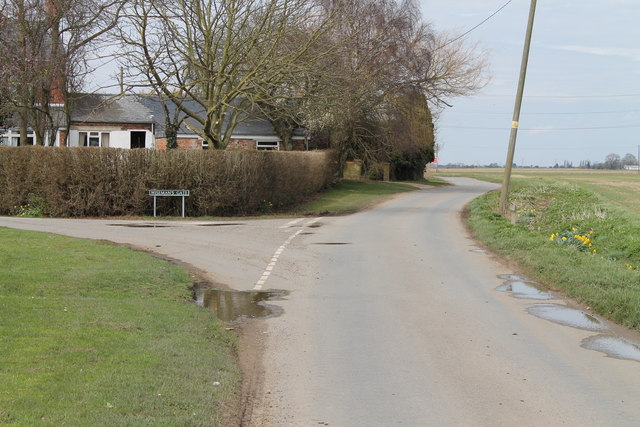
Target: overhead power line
(474, 27)
(551, 129)
(572, 113)
(626, 95)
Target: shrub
(112, 182)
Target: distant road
(393, 319)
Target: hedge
(90, 182)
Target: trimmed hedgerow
(68, 182)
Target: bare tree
(22, 42)
(224, 55)
(43, 47)
(629, 160)
(612, 161)
(385, 56)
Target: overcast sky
(582, 93)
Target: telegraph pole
(506, 182)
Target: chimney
(57, 91)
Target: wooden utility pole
(506, 182)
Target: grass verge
(97, 334)
(351, 196)
(573, 236)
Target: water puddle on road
(140, 225)
(332, 243)
(612, 346)
(616, 347)
(229, 306)
(519, 287)
(567, 316)
(224, 224)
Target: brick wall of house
(183, 143)
(130, 126)
(298, 145)
(62, 137)
(247, 144)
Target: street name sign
(168, 193)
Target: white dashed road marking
(274, 259)
(292, 223)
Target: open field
(97, 334)
(576, 231)
(621, 188)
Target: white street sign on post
(168, 193)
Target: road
(393, 318)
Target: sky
(582, 91)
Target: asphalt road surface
(394, 318)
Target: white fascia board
(266, 138)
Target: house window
(205, 144)
(268, 145)
(138, 139)
(13, 140)
(93, 139)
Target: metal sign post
(168, 193)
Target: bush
(112, 182)
(409, 165)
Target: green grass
(604, 273)
(97, 334)
(351, 196)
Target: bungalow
(138, 121)
(97, 120)
(252, 132)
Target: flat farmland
(621, 188)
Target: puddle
(478, 251)
(229, 306)
(140, 225)
(511, 277)
(220, 224)
(315, 225)
(332, 243)
(566, 316)
(520, 288)
(618, 348)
